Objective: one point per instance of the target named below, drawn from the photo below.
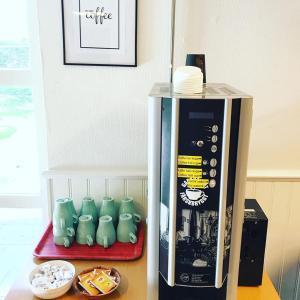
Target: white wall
(280, 201)
(255, 46)
(97, 115)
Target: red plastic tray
(46, 249)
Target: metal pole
(173, 15)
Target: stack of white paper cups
(188, 80)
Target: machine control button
(213, 162)
(214, 148)
(214, 138)
(212, 183)
(200, 144)
(212, 173)
(215, 128)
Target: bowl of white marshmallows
(51, 279)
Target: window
(14, 39)
(18, 141)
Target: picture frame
(99, 32)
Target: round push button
(212, 183)
(215, 128)
(214, 138)
(213, 162)
(212, 173)
(214, 148)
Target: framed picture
(100, 32)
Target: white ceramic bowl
(52, 293)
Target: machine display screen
(196, 115)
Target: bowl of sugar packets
(51, 279)
(97, 282)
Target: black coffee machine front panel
(198, 191)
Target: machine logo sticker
(193, 197)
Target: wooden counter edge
(133, 272)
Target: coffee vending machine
(198, 152)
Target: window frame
(31, 77)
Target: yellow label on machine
(187, 173)
(188, 160)
(197, 183)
